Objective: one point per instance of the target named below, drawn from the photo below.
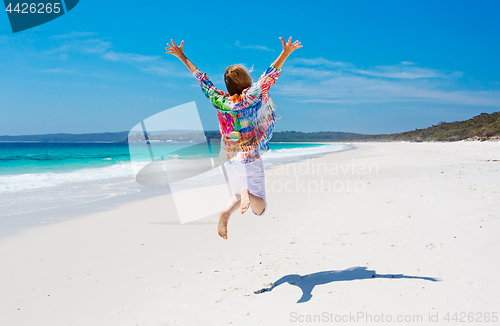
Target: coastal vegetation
(482, 126)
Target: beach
(380, 233)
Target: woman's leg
(248, 199)
(234, 202)
(241, 178)
(253, 192)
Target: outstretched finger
(282, 41)
(290, 40)
(182, 43)
(173, 43)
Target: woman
(246, 120)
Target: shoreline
(15, 223)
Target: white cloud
(318, 62)
(406, 71)
(85, 43)
(57, 71)
(73, 35)
(74, 43)
(254, 47)
(320, 80)
(92, 46)
(164, 68)
(129, 57)
(77, 43)
(310, 73)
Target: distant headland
(481, 127)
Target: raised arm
(179, 53)
(272, 73)
(288, 48)
(216, 97)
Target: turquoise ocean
(43, 182)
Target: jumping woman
(247, 117)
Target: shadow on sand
(307, 282)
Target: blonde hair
(237, 78)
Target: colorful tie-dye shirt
(247, 121)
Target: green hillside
(483, 125)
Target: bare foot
(222, 228)
(245, 200)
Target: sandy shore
(389, 230)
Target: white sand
(428, 210)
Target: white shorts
(247, 175)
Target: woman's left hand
(175, 50)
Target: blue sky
(366, 66)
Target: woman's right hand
(175, 50)
(289, 47)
